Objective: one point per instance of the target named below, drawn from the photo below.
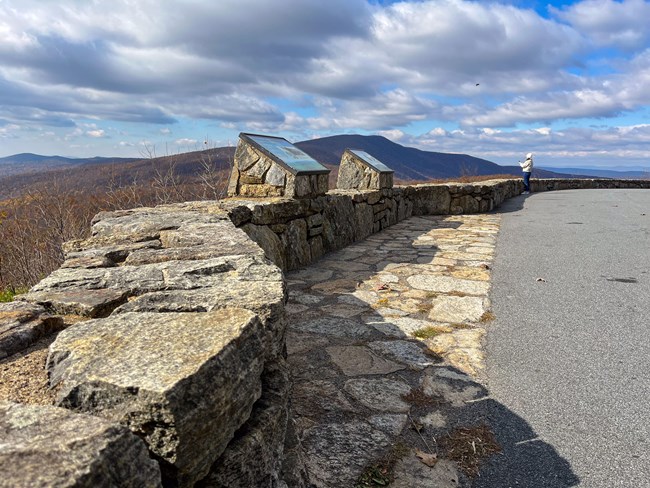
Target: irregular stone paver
(447, 284)
(336, 327)
(337, 453)
(385, 345)
(405, 352)
(359, 360)
(457, 309)
(411, 473)
(314, 398)
(382, 394)
(390, 423)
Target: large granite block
(48, 446)
(254, 457)
(183, 382)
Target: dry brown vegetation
(57, 206)
(469, 447)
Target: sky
(568, 81)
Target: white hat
(529, 156)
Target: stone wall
(537, 185)
(294, 233)
(179, 337)
(176, 353)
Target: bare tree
(166, 180)
(214, 179)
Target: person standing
(527, 168)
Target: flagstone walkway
(385, 348)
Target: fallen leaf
(426, 458)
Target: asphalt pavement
(568, 353)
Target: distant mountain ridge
(30, 158)
(29, 162)
(22, 171)
(604, 173)
(410, 163)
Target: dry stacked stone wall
(550, 184)
(173, 370)
(296, 232)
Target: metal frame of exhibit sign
(303, 163)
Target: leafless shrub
(214, 177)
(34, 224)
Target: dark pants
(527, 181)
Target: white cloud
(202, 61)
(623, 24)
(186, 142)
(306, 67)
(8, 130)
(587, 146)
(395, 135)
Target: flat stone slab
(305, 298)
(405, 352)
(461, 348)
(456, 395)
(390, 423)
(398, 326)
(336, 454)
(380, 394)
(263, 297)
(23, 324)
(48, 446)
(152, 221)
(338, 310)
(433, 420)
(312, 274)
(313, 398)
(343, 285)
(336, 327)
(359, 360)
(470, 273)
(301, 343)
(410, 472)
(458, 309)
(448, 284)
(184, 382)
(87, 303)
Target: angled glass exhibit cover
(286, 154)
(371, 161)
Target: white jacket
(527, 166)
